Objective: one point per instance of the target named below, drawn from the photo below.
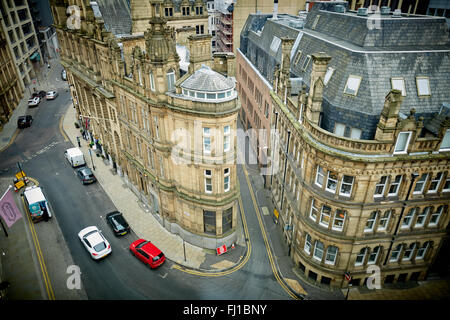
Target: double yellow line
(236, 267)
(48, 285)
(266, 241)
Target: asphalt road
(40, 149)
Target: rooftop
(369, 59)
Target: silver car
(51, 95)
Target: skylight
(328, 75)
(352, 85)
(399, 84)
(275, 44)
(423, 86)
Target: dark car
(86, 176)
(24, 121)
(118, 223)
(41, 94)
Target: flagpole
(9, 187)
(3, 227)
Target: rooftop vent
(362, 12)
(385, 10)
(339, 8)
(397, 13)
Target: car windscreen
(141, 244)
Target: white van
(36, 203)
(75, 157)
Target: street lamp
(92, 160)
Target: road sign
(222, 249)
(347, 275)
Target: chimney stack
(275, 9)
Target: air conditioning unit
(397, 13)
(339, 8)
(362, 12)
(385, 11)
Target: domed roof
(205, 79)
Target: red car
(147, 252)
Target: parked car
(64, 75)
(117, 223)
(51, 95)
(40, 94)
(24, 121)
(148, 253)
(94, 242)
(34, 102)
(86, 176)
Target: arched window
(360, 257)
(170, 80)
(422, 251)
(396, 253)
(373, 257)
(371, 221)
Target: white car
(51, 95)
(94, 241)
(33, 102)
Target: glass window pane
(399, 84)
(339, 129)
(423, 86)
(402, 142)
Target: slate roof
(391, 47)
(116, 15)
(205, 79)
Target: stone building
(406, 6)
(10, 89)
(187, 17)
(170, 135)
(363, 181)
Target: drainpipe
(413, 177)
(285, 169)
(273, 147)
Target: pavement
(145, 225)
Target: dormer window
(445, 144)
(401, 146)
(185, 11)
(306, 62)
(423, 86)
(199, 11)
(352, 85)
(168, 12)
(399, 84)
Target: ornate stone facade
(347, 204)
(174, 145)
